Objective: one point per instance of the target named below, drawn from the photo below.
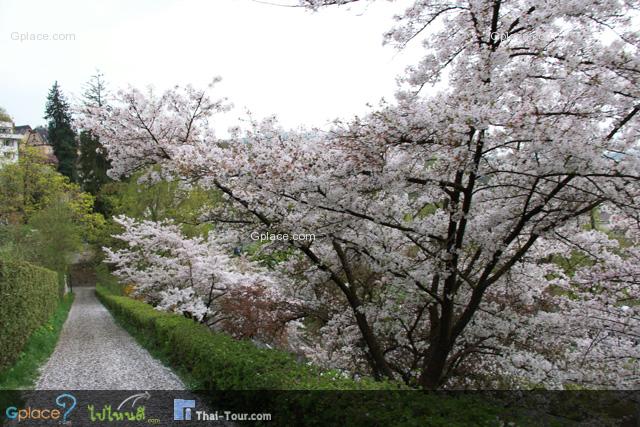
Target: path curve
(94, 353)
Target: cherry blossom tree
(444, 222)
(196, 277)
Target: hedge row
(229, 373)
(28, 297)
(221, 362)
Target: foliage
(44, 218)
(154, 199)
(92, 164)
(29, 295)
(31, 185)
(25, 371)
(92, 160)
(157, 199)
(107, 280)
(54, 236)
(60, 133)
(4, 116)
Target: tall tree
(439, 217)
(61, 134)
(93, 163)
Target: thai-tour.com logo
(182, 409)
(185, 410)
(64, 405)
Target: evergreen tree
(61, 134)
(93, 163)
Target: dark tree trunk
(434, 365)
(380, 366)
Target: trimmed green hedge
(28, 297)
(24, 372)
(227, 372)
(220, 362)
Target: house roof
(22, 129)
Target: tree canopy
(4, 116)
(92, 161)
(44, 218)
(60, 132)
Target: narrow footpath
(94, 353)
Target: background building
(12, 138)
(37, 138)
(9, 143)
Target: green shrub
(28, 297)
(107, 280)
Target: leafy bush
(29, 296)
(142, 198)
(54, 236)
(107, 280)
(44, 218)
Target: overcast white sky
(305, 67)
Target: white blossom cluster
(194, 276)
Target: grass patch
(24, 372)
(107, 280)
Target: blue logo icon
(64, 405)
(182, 409)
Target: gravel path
(94, 353)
